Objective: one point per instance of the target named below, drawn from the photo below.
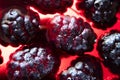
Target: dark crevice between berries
(1, 58)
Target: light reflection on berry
(107, 75)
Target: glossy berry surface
(85, 67)
(109, 50)
(65, 58)
(51, 6)
(18, 26)
(71, 34)
(101, 12)
(32, 62)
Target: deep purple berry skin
(109, 50)
(85, 67)
(71, 34)
(51, 6)
(102, 12)
(18, 26)
(32, 62)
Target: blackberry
(85, 67)
(18, 26)
(71, 34)
(32, 62)
(84, 4)
(102, 12)
(109, 50)
(51, 6)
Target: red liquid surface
(65, 62)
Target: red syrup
(65, 61)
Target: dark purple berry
(105, 9)
(18, 26)
(71, 34)
(32, 62)
(51, 6)
(102, 12)
(109, 50)
(85, 67)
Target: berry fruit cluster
(41, 45)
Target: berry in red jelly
(32, 62)
(18, 26)
(71, 34)
(102, 12)
(85, 67)
(109, 50)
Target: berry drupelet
(32, 62)
(50, 6)
(85, 67)
(71, 34)
(109, 50)
(102, 12)
(18, 26)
